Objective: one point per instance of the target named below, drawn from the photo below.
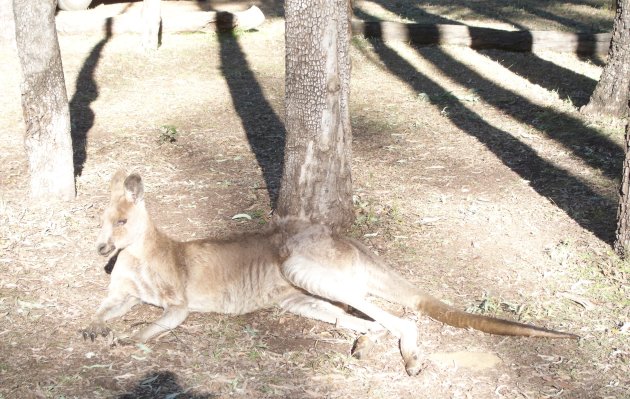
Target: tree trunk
(316, 182)
(151, 24)
(44, 100)
(611, 93)
(7, 25)
(622, 236)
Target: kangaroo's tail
(438, 310)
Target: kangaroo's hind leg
(347, 284)
(306, 305)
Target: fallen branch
(484, 38)
(180, 16)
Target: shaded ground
(474, 176)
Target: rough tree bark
(610, 96)
(316, 181)
(44, 100)
(622, 236)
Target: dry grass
(474, 175)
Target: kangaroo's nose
(102, 249)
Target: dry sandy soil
(474, 174)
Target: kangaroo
(302, 267)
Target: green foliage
(492, 306)
(168, 134)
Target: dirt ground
(475, 176)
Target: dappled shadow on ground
(162, 384)
(485, 38)
(81, 114)
(584, 142)
(547, 179)
(598, 151)
(409, 11)
(569, 85)
(264, 129)
(498, 11)
(553, 73)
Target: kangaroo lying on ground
(302, 267)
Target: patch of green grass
(251, 331)
(254, 354)
(372, 217)
(491, 306)
(217, 353)
(267, 390)
(331, 360)
(361, 43)
(235, 33)
(195, 33)
(168, 134)
(545, 119)
(226, 183)
(258, 215)
(52, 389)
(234, 384)
(608, 277)
(365, 216)
(450, 97)
(594, 284)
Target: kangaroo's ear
(116, 184)
(134, 189)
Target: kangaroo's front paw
(94, 330)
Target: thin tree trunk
(317, 181)
(610, 96)
(622, 236)
(151, 24)
(44, 100)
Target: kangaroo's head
(125, 219)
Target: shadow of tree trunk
(595, 212)
(265, 131)
(81, 114)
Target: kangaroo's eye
(121, 222)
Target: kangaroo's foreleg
(122, 295)
(172, 317)
(115, 305)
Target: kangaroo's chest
(148, 287)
